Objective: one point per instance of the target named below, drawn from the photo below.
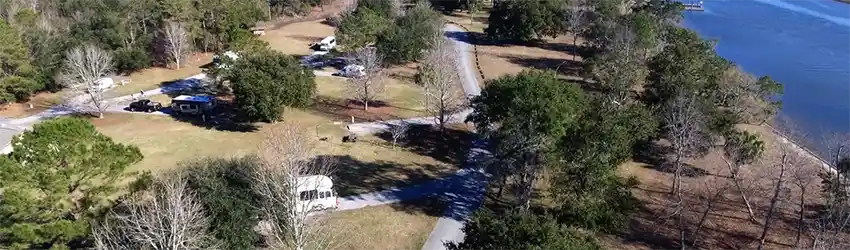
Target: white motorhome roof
(311, 182)
(327, 40)
(193, 98)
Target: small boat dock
(693, 5)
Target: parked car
(145, 105)
(352, 70)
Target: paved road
(464, 196)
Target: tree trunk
(773, 201)
(677, 173)
(702, 220)
(800, 216)
(575, 46)
(366, 105)
(177, 61)
(682, 224)
(741, 191)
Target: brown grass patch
(40, 102)
(382, 228)
(727, 225)
(295, 38)
(152, 78)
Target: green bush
(520, 231)
(411, 36)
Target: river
(804, 44)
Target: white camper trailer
(316, 193)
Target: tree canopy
(526, 20)
(264, 82)
(61, 174)
(521, 231)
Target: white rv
(316, 193)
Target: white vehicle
(352, 70)
(325, 44)
(105, 83)
(229, 54)
(316, 193)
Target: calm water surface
(804, 44)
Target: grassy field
(295, 38)
(368, 165)
(393, 227)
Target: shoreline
(843, 1)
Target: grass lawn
(391, 227)
(151, 78)
(401, 99)
(40, 102)
(368, 165)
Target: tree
(441, 82)
(366, 87)
(521, 231)
(178, 41)
(360, 28)
(525, 20)
(75, 170)
(531, 111)
(16, 73)
(264, 82)
(286, 222)
(85, 67)
(709, 191)
(412, 35)
(223, 187)
(576, 22)
(170, 217)
(131, 59)
(788, 159)
(742, 148)
(399, 131)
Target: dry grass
(728, 225)
(295, 38)
(497, 60)
(40, 102)
(151, 78)
(401, 99)
(367, 165)
(382, 228)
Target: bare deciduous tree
(287, 161)
(684, 125)
(779, 174)
(576, 21)
(741, 149)
(179, 42)
(399, 131)
(441, 82)
(685, 129)
(367, 86)
(83, 72)
(167, 218)
(709, 191)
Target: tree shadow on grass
(433, 205)
(225, 117)
(563, 66)
(353, 176)
(449, 146)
